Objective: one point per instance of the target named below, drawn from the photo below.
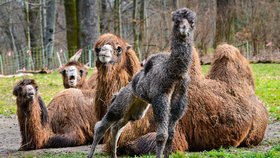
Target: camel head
(26, 89)
(109, 49)
(184, 19)
(73, 74)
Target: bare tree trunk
(88, 22)
(49, 30)
(117, 14)
(175, 4)
(165, 26)
(28, 23)
(102, 17)
(36, 35)
(142, 28)
(72, 25)
(134, 27)
(225, 21)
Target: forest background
(36, 34)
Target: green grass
(267, 79)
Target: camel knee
(162, 138)
(101, 127)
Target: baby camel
(163, 83)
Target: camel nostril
(72, 77)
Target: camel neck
(181, 54)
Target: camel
(33, 119)
(74, 74)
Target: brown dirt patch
(10, 140)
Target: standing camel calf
(163, 83)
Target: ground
(10, 140)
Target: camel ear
(17, 91)
(172, 16)
(77, 55)
(128, 46)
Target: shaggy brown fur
(223, 108)
(33, 119)
(74, 75)
(71, 112)
(112, 76)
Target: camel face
(26, 90)
(106, 53)
(109, 49)
(73, 74)
(184, 28)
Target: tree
(88, 22)
(36, 31)
(50, 30)
(142, 28)
(117, 15)
(72, 25)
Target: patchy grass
(267, 79)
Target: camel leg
(99, 130)
(160, 108)
(178, 107)
(116, 131)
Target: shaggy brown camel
(74, 74)
(33, 119)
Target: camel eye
(63, 72)
(81, 72)
(119, 50)
(97, 50)
(36, 88)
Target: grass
(267, 79)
